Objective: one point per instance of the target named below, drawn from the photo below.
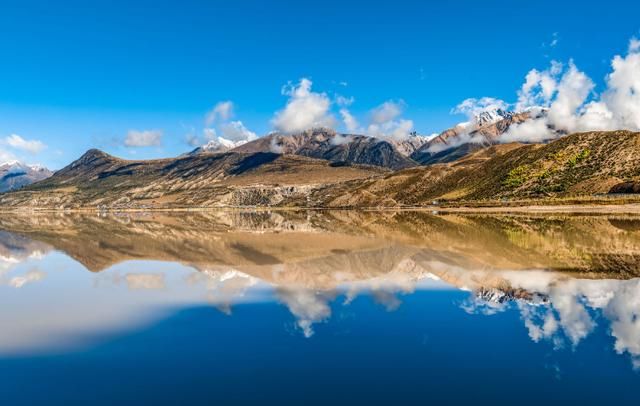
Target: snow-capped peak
(492, 116)
(11, 163)
(220, 144)
(17, 165)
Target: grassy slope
(577, 165)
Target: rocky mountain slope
(580, 164)
(14, 175)
(485, 131)
(329, 145)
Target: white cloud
(305, 109)
(539, 87)
(528, 131)
(571, 94)
(562, 100)
(17, 142)
(387, 111)
(397, 129)
(344, 101)
(554, 40)
(634, 45)
(145, 138)
(236, 131)
(385, 121)
(349, 120)
(220, 133)
(6, 156)
(221, 111)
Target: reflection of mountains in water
(557, 270)
(356, 244)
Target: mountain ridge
(15, 174)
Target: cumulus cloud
(385, 121)
(220, 133)
(305, 109)
(539, 87)
(17, 142)
(387, 111)
(568, 109)
(145, 138)
(236, 131)
(350, 122)
(562, 100)
(221, 111)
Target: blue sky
(76, 75)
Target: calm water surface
(319, 307)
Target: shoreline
(631, 208)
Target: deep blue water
(319, 308)
(427, 351)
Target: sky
(150, 79)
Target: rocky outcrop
(625, 188)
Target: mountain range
(14, 175)
(322, 168)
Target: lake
(318, 307)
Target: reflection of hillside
(15, 248)
(313, 245)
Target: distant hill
(14, 175)
(98, 179)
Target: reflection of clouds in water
(145, 281)
(33, 275)
(402, 280)
(224, 286)
(567, 310)
(7, 268)
(307, 306)
(310, 306)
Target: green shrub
(517, 176)
(579, 157)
